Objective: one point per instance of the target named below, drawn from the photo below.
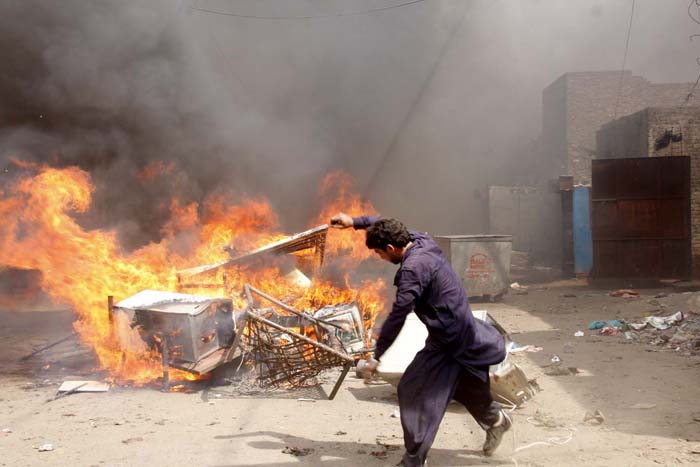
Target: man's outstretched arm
(344, 221)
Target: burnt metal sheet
(310, 239)
(195, 326)
(640, 216)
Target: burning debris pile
(238, 242)
(288, 347)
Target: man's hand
(369, 369)
(341, 221)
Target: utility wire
(335, 15)
(388, 153)
(624, 60)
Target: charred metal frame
(297, 360)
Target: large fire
(83, 267)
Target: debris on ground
(379, 454)
(615, 323)
(609, 331)
(624, 293)
(579, 334)
(298, 452)
(46, 447)
(518, 289)
(525, 348)
(679, 332)
(132, 440)
(664, 322)
(595, 417)
(83, 386)
(387, 447)
(643, 406)
(562, 371)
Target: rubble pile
(680, 335)
(678, 331)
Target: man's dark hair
(387, 232)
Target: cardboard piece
(83, 386)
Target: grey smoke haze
(444, 96)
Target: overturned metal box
(194, 326)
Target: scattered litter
(661, 295)
(396, 414)
(642, 406)
(664, 322)
(569, 295)
(46, 447)
(631, 335)
(6, 430)
(616, 323)
(609, 331)
(624, 293)
(696, 417)
(518, 289)
(306, 399)
(379, 454)
(341, 433)
(295, 451)
(553, 441)
(132, 440)
(555, 360)
(83, 386)
(525, 348)
(579, 334)
(638, 326)
(594, 418)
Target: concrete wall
(585, 101)
(525, 213)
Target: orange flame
(82, 267)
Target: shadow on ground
(348, 453)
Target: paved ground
(218, 427)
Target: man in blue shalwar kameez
(454, 364)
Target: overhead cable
(624, 59)
(333, 15)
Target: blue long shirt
(426, 283)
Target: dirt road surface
(647, 387)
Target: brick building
(576, 105)
(660, 132)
